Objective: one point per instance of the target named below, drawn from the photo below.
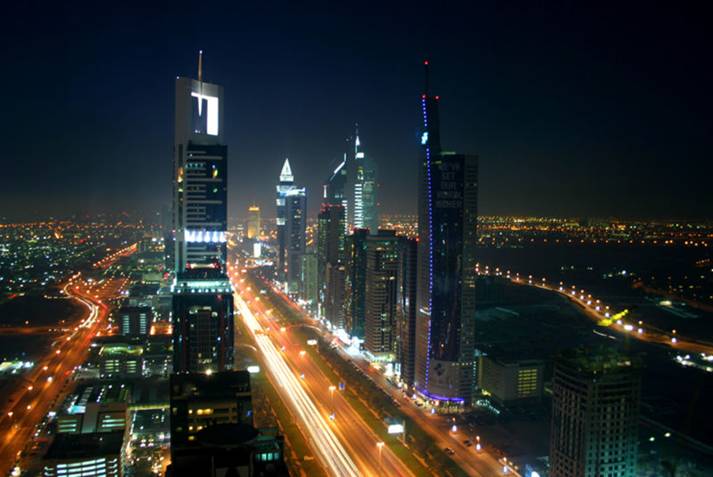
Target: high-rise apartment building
(406, 324)
(310, 281)
(381, 298)
(448, 194)
(355, 282)
(330, 258)
(595, 414)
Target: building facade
(406, 310)
(381, 299)
(595, 414)
(202, 320)
(331, 267)
(135, 320)
(355, 298)
(513, 380)
(201, 400)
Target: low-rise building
(510, 380)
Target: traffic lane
(353, 431)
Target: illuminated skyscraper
(253, 231)
(381, 297)
(330, 258)
(595, 414)
(286, 184)
(355, 300)
(335, 190)
(202, 315)
(448, 188)
(366, 215)
(200, 186)
(291, 228)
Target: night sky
(574, 111)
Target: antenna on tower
(200, 65)
(425, 70)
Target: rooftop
(77, 446)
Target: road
(600, 313)
(45, 385)
(368, 454)
(474, 462)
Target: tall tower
(254, 225)
(595, 414)
(201, 170)
(366, 215)
(291, 228)
(330, 262)
(286, 183)
(381, 297)
(202, 314)
(448, 188)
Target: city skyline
(442, 291)
(576, 123)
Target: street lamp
(380, 446)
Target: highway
(345, 432)
(329, 449)
(478, 463)
(46, 385)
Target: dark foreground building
(200, 400)
(595, 414)
(212, 431)
(202, 321)
(231, 450)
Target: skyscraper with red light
(445, 321)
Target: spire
(357, 143)
(286, 173)
(200, 65)
(425, 70)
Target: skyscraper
(380, 314)
(406, 324)
(286, 184)
(291, 228)
(253, 231)
(330, 258)
(355, 282)
(366, 214)
(335, 190)
(595, 414)
(200, 185)
(448, 188)
(202, 321)
(202, 314)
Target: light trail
(326, 443)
